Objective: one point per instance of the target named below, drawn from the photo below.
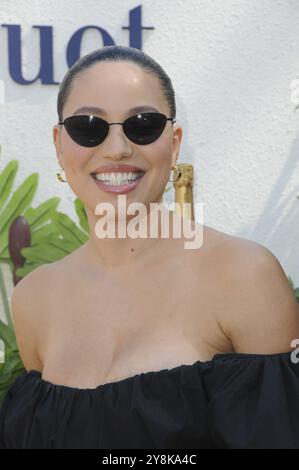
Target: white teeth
(117, 179)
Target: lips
(122, 188)
(118, 169)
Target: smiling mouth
(117, 178)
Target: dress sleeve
(254, 401)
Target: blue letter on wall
(135, 28)
(74, 45)
(46, 55)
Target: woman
(138, 342)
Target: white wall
(232, 63)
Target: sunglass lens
(145, 128)
(87, 131)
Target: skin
(104, 312)
(101, 85)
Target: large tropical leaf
(19, 201)
(81, 213)
(41, 214)
(6, 181)
(68, 229)
(48, 250)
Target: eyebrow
(96, 110)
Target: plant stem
(5, 299)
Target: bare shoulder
(214, 246)
(35, 289)
(260, 313)
(26, 314)
(34, 292)
(28, 289)
(31, 302)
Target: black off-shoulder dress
(233, 401)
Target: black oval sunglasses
(141, 129)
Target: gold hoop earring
(179, 173)
(61, 178)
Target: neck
(119, 253)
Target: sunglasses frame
(112, 123)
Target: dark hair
(115, 54)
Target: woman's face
(117, 87)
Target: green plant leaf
(5, 259)
(4, 296)
(4, 252)
(291, 282)
(9, 371)
(7, 335)
(22, 272)
(40, 214)
(68, 229)
(7, 177)
(81, 213)
(49, 250)
(21, 198)
(40, 234)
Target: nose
(116, 145)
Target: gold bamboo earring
(179, 173)
(60, 177)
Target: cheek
(75, 157)
(159, 155)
